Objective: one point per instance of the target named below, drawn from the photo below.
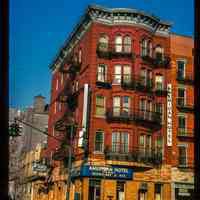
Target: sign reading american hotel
(169, 114)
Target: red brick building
(121, 80)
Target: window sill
(99, 116)
(98, 152)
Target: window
(144, 47)
(117, 76)
(141, 145)
(149, 48)
(142, 195)
(159, 52)
(115, 142)
(143, 76)
(181, 124)
(159, 82)
(159, 145)
(149, 78)
(62, 78)
(59, 107)
(120, 190)
(145, 142)
(118, 43)
(116, 106)
(80, 56)
(126, 74)
(181, 69)
(120, 142)
(99, 141)
(101, 74)
(148, 145)
(57, 82)
(121, 106)
(127, 44)
(126, 105)
(103, 43)
(94, 189)
(158, 191)
(181, 96)
(100, 105)
(159, 110)
(182, 155)
(142, 104)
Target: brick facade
(138, 130)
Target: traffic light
(14, 130)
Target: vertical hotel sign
(84, 117)
(169, 114)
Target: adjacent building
(37, 116)
(15, 148)
(20, 147)
(122, 99)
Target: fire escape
(68, 96)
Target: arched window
(118, 43)
(144, 47)
(127, 44)
(159, 52)
(103, 43)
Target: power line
(39, 130)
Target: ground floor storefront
(117, 182)
(120, 183)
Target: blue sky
(38, 29)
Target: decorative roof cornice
(110, 16)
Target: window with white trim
(120, 142)
(126, 105)
(181, 96)
(126, 74)
(103, 43)
(118, 43)
(102, 73)
(100, 105)
(159, 82)
(118, 74)
(144, 47)
(127, 44)
(116, 106)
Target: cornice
(113, 16)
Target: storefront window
(120, 191)
(142, 195)
(94, 190)
(158, 192)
